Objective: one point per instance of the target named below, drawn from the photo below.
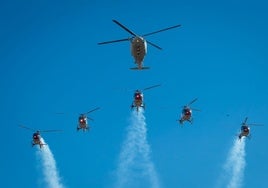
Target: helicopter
(82, 120)
(36, 138)
(138, 98)
(186, 114)
(138, 44)
(245, 129)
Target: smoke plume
(235, 164)
(135, 168)
(49, 169)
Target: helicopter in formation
(138, 44)
(138, 101)
(36, 138)
(83, 120)
(186, 114)
(245, 129)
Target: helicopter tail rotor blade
(93, 110)
(152, 87)
(161, 30)
(113, 41)
(154, 45)
(125, 28)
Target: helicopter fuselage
(138, 44)
(36, 137)
(244, 131)
(186, 115)
(37, 140)
(82, 123)
(83, 120)
(138, 50)
(138, 100)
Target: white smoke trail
(49, 168)
(234, 165)
(134, 160)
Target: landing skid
(84, 129)
(140, 68)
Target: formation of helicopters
(138, 51)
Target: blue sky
(50, 62)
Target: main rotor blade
(59, 113)
(161, 30)
(113, 41)
(27, 128)
(196, 109)
(92, 110)
(46, 131)
(192, 102)
(152, 87)
(154, 45)
(255, 124)
(245, 121)
(38, 130)
(125, 28)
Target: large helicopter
(186, 114)
(36, 138)
(245, 129)
(138, 98)
(82, 120)
(138, 44)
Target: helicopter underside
(137, 104)
(37, 142)
(186, 118)
(83, 126)
(138, 50)
(245, 134)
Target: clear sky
(50, 62)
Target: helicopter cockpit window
(137, 96)
(187, 111)
(35, 136)
(244, 128)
